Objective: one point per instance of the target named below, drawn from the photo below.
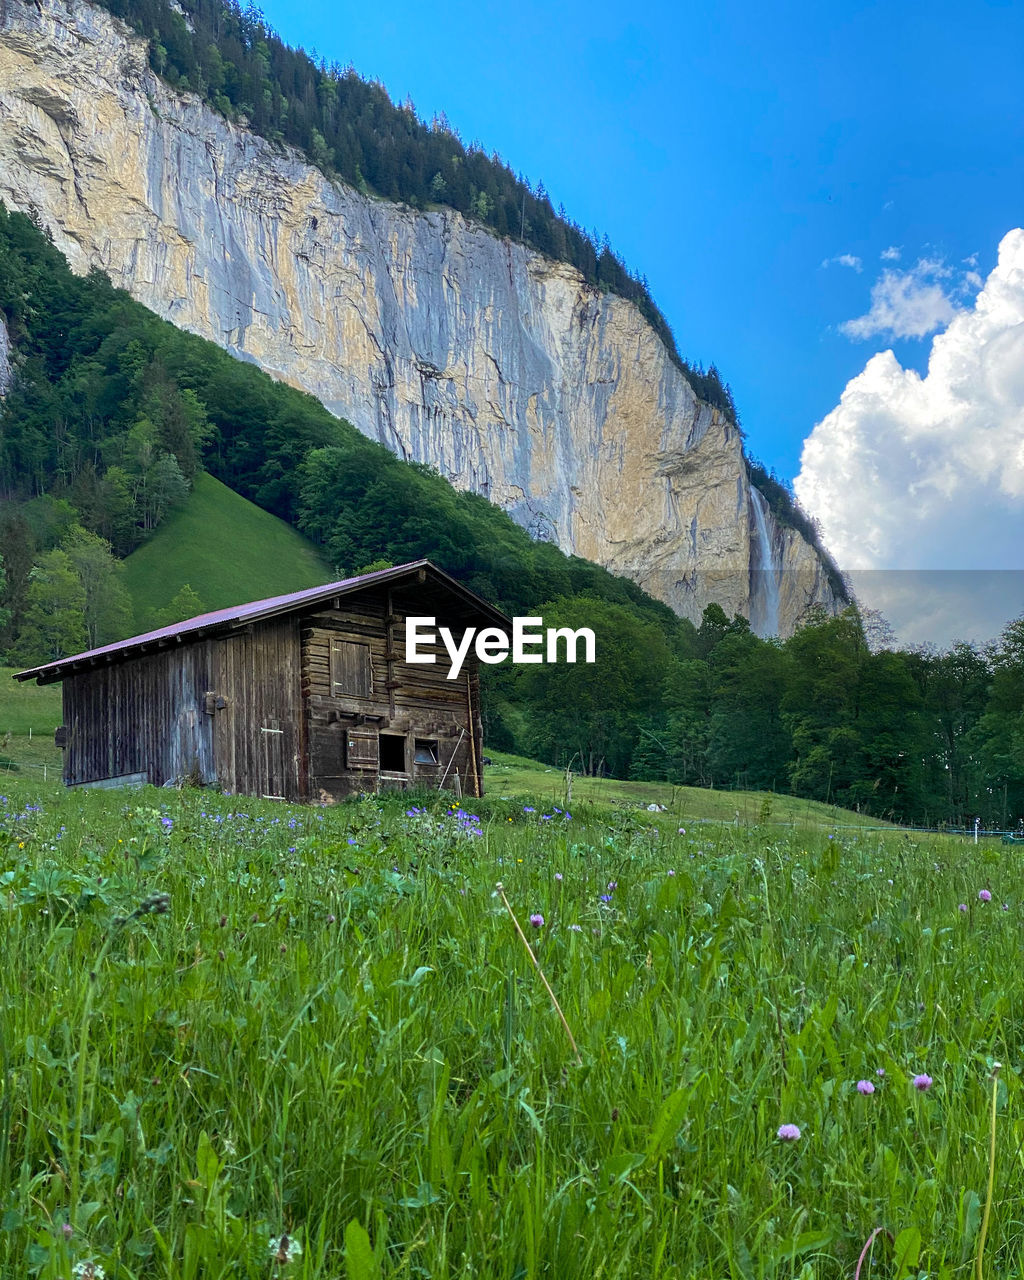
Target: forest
(112, 412)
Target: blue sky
(728, 151)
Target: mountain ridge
(501, 368)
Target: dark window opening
(392, 753)
(426, 751)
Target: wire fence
(48, 770)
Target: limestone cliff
(483, 359)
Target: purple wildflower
(880, 1071)
(962, 906)
(788, 1133)
(558, 875)
(537, 920)
(612, 885)
(984, 895)
(922, 1082)
(865, 1086)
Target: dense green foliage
(350, 129)
(913, 737)
(110, 404)
(219, 1026)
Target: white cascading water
(765, 574)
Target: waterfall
(5, 358)
(764, 573)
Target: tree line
(913, 736)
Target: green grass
(29, 713)
(226, 548)
(335, 1032)
(517, 776)
(27, 705)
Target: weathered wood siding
(353, 722)
(315, 704)
(144, 716)
(259, 735)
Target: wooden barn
(299, 697)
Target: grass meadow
(241, 1039)
(226, 548)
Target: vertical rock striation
(501, 368)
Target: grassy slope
(226, 549)
(27, 706)
(29, 713)
(516, 776)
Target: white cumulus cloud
(892, 254)
(845, 260)
(911, 472)
(906, 304)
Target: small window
(392, 753)
(351, 673)
(426, 751)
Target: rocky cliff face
(495, 365)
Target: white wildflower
(283, 1249)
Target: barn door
(273, 761)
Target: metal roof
(226, 620)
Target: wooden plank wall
(141, 716)
(410, 699)
(255, 711)
(256, 671)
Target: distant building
(302, 697)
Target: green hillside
(511, 775)
(226, 548)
